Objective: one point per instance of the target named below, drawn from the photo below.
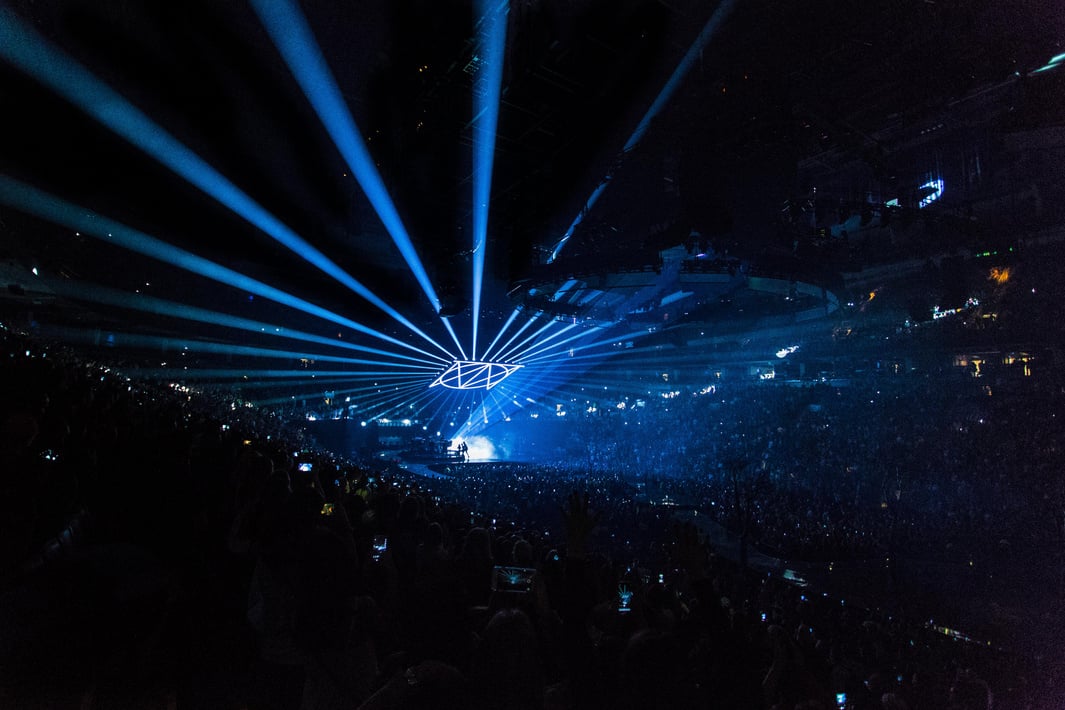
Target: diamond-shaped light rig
(473, 375)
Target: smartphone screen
(306, 467)
(380, 544)
(327, 509)
(512, 579)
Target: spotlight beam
(441, 400)
(318, 381)
(562, 291)
(31, 53)
(627, 352)
(306, 395)
(294, 40)
(157, 306)
(401, 403)
(693, 54)
(288, 399)
(298, 389)
(513, 316)
(131, 340)
(523, 353)
(490, 407)
(447, 324)
(237, 374)
(492, 32)
(50, 208)
(566, 357)
(517, 347)
(513, 337)
(600, 343)
(547, 348)
(388, 401)
(435, 399)
(358, 401)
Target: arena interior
(522, 354)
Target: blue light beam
(50, 208)
(134, 340)
(691, 56)
(31, 53)
(157, 306)
(600, 343)
(520, 330)
(292, 36)
(492, 35)
(540, 350)
(506, 354)
(447, 324)
(538, 343)
(405, 391)
(513, 316)
(178, 373)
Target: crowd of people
(932, 463)
(166, 548)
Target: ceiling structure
(771, 86)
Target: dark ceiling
(777, 83)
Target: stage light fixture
(473, 375)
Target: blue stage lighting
(529, 354)
(48, 207)
(447, 325)
(23, 48)
(294, 40)
(514, 337)
(570, 354)
(507, 354)
(135, 340)
(694, 54)
(180, 373)
(492, 36)
(472, 375)
(149, 304)
(511, 319)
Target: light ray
(443, 399)
(520, 330)
(693, 55)
(447, 324)
(492, 36)
(288, 399)
(157, 306)
(240, 374)
(610, 341)
(513, 316)
(543, 341)
(388, 401)
(533, 353)
(131, 340)
(506, 354)
(292, 35)
(403, 403)
(53, 209)
(363, 395)
(332, 381)
(31, 53)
